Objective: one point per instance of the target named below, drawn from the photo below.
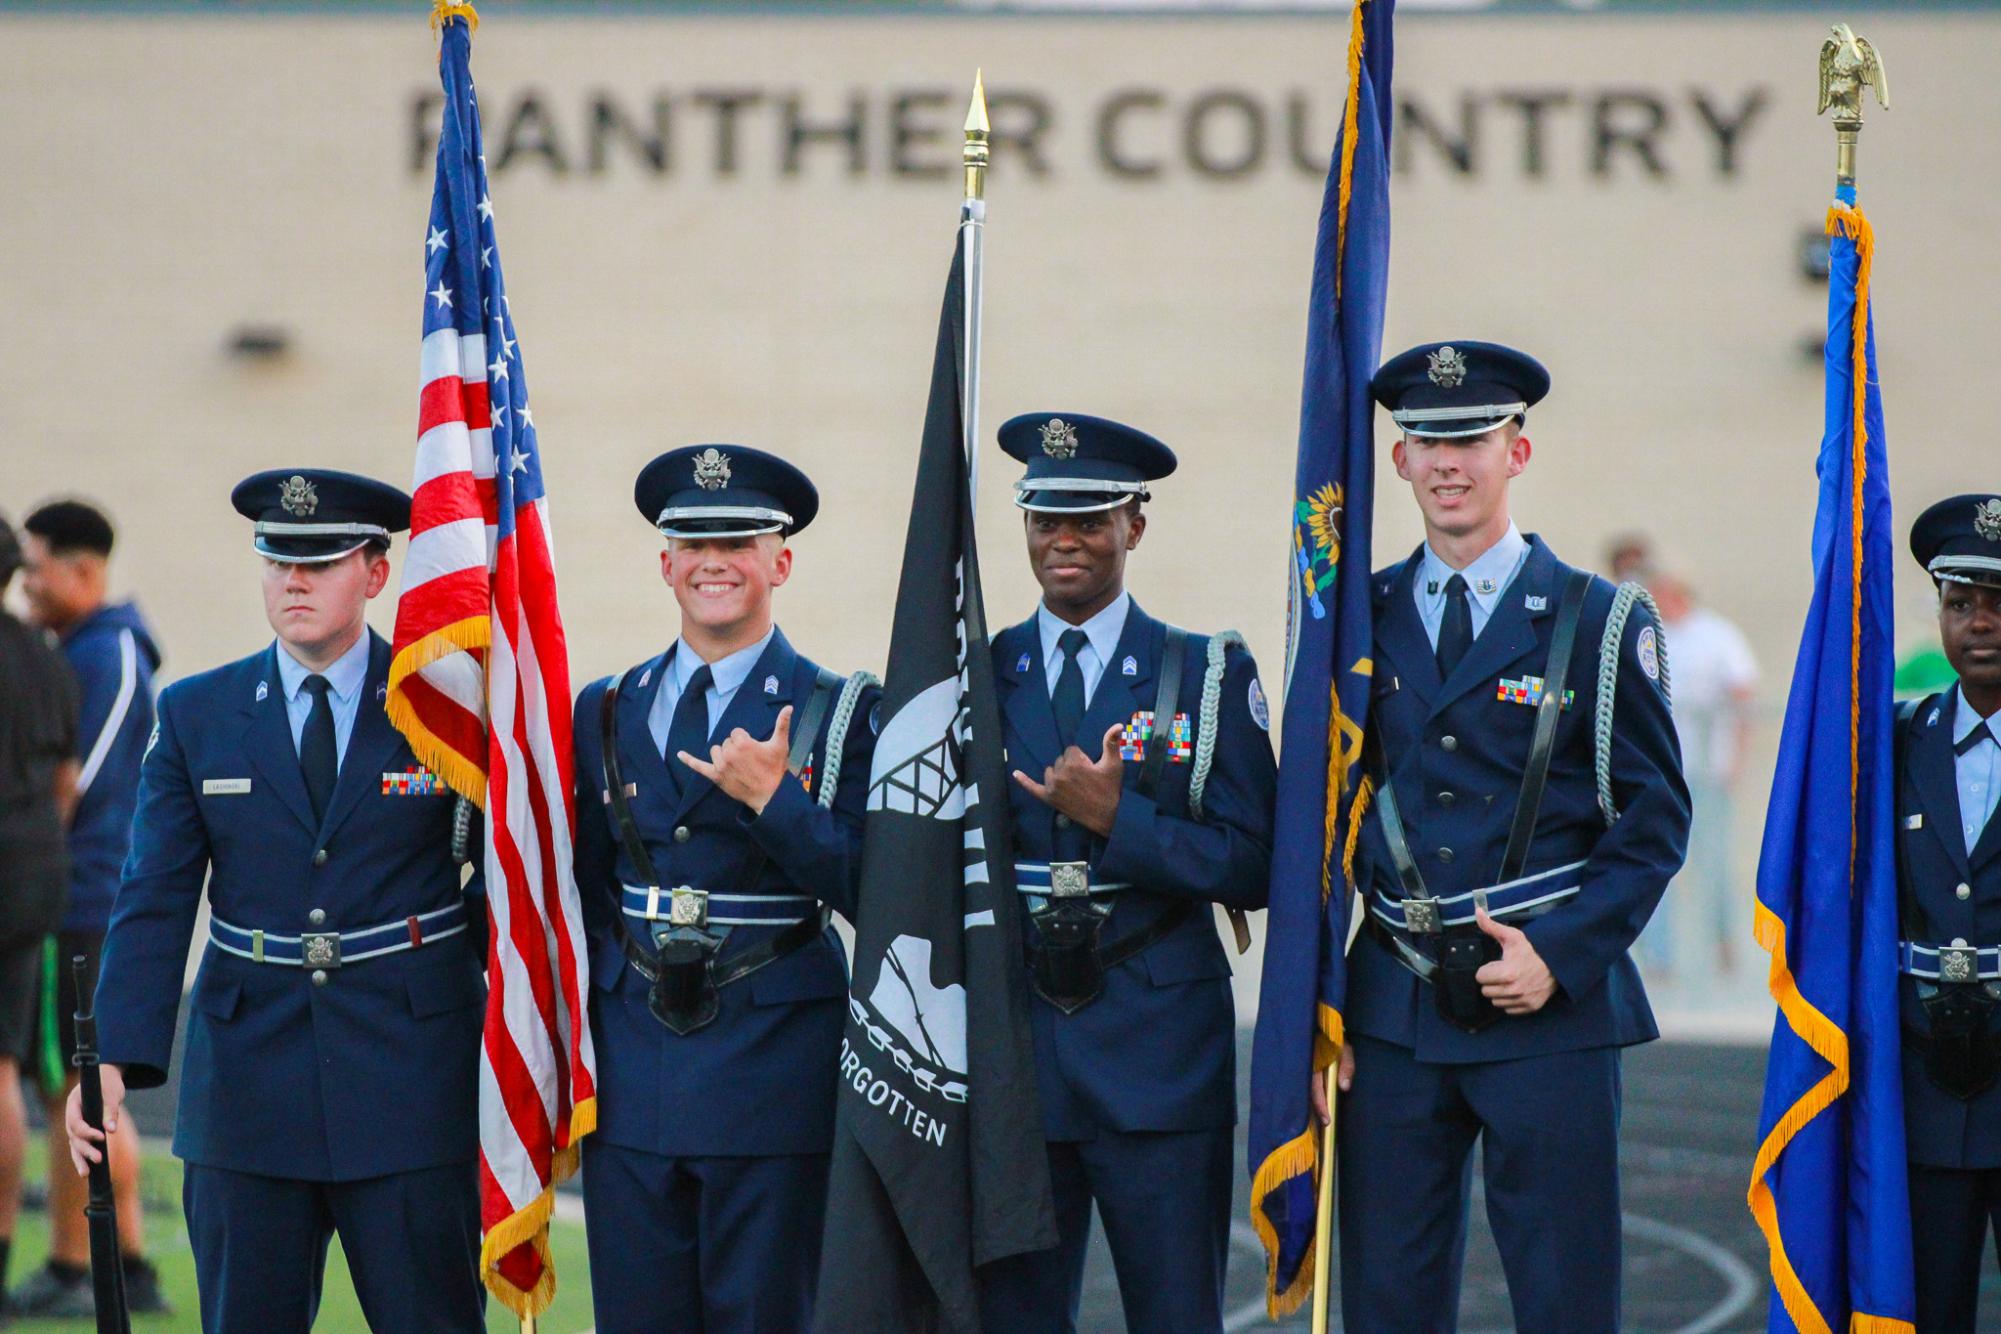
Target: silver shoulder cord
(1608, 683)
(462, 831)
(1205, 727)
(837, 734)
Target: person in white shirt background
(1715, 682)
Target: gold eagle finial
(1847, 64)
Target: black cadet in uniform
(1949, 917)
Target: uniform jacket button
(1062, 820)
(320, 857)
(319, 977)
(1448, 743)
(681, 833)
(1445, 854)
(317, 916)
(1447, 798)
(1963, 891)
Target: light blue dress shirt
(344, 682)
(1103, 630)
(726, 674)
(1978, 771)
(1487, 578)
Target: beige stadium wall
(1628, 202)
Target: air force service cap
(724, 491)
(1959, 540)
(1451, 390)
(307, 515)
(1078, 463)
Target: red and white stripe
(504, 708)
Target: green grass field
(167, 1247)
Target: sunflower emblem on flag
(1316, 543)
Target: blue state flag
(1328, 646)
(1828, 1186)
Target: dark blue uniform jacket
(1456, 751)
(760, 1079)
(377, 1070)
(1156, 1051)
(113, 655)
(1933, 866)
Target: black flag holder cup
(100, 1212)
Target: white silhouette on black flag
(938, 1158)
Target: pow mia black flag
(938, 1159)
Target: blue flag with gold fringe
(1828, 1186)
(1328, 645)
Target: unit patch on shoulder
(1260, 710)
(1649, 653)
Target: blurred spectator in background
(1629, 556)
(1715, 678)
(68, 551)
(38, 767)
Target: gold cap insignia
(1447, 368)
(1059, 439)
(712, 470)
(1987, 519)
(297, 496)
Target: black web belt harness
(683, 966)
(1069, 913)
(1462, 948)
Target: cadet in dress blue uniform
(1144, 789)
(710, 848)
(329, 1078)
(1491, 991)
(1949, 909)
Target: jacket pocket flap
(815, 973)
(440, 991)
(1186, 956)
(217, 997)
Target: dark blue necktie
(1979, 734)
(1455, 633)
(690, 728)
(1068, 701)
(319, 753)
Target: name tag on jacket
(224, 787)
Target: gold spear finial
(978, 132)
(1848, 64)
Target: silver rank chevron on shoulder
(1446, 367)
(1987, 520)
(712, 470)
(298, 496)
(1059, 439)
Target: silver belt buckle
(320, 949)
(688, 907)
(1958, 963)
(1421, 917)
(1069, 880)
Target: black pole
(107, 1268)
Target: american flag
(480, 685)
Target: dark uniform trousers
(1539, 1093)
(1945, 893)
(706, 1180)
(311, 1103)
(1138, 1088)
